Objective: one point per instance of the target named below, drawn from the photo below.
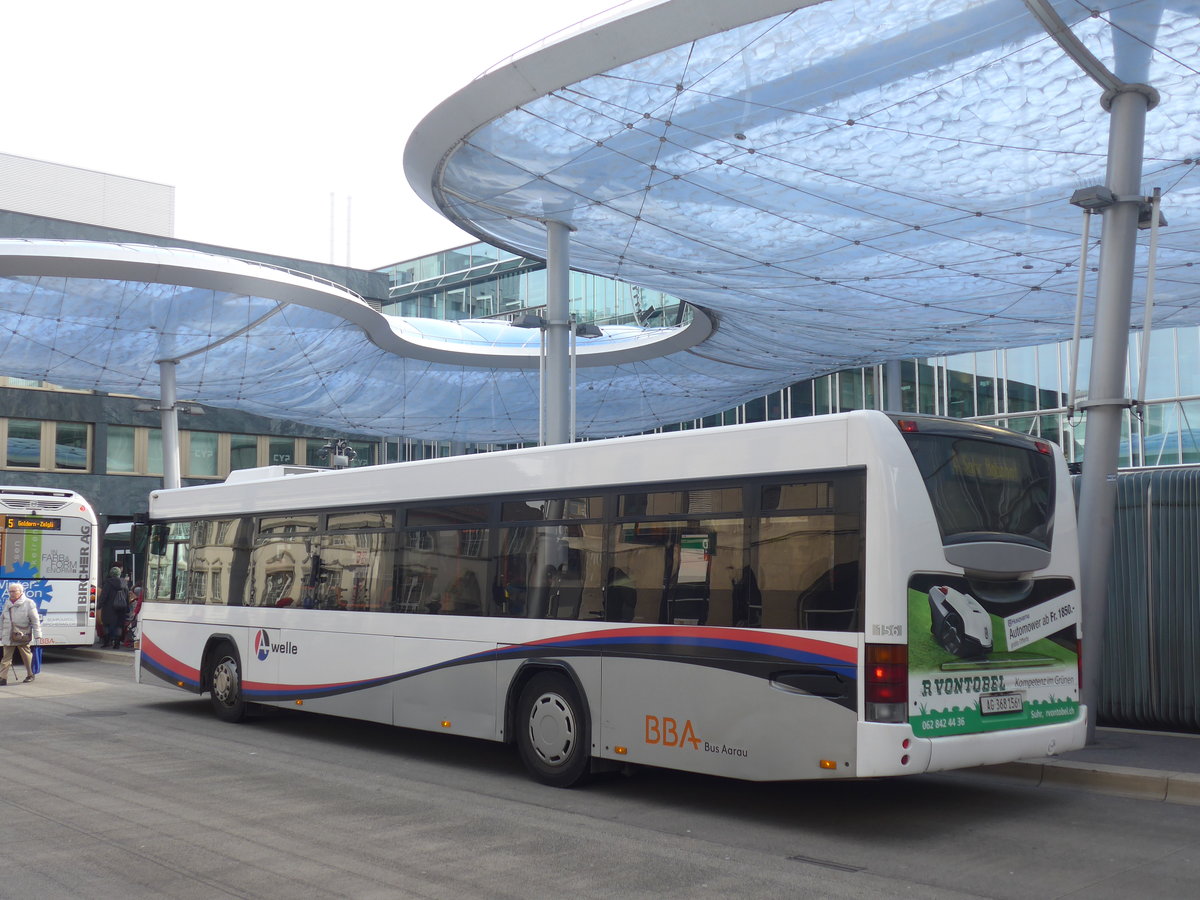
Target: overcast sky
(257, 111)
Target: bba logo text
(264, 648)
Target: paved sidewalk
(1150, 765)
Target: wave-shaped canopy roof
(838, 183)
(830, 184)
(282, 343)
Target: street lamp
(339, 453)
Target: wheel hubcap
(225, 682)
(552, 729)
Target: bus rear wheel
(225, 684)
(552, 730)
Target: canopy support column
(170, 422)
(557, 393)
(1106, 400)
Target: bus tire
(552, 730)
(225, 684)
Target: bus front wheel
(552, 730)
(225, 684)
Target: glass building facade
(480, 281)
(1025, 388)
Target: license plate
(1008, 702)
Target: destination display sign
(32, 523)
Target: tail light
(92, 604)
(886, 685)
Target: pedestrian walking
(20, 629)
(114, 606)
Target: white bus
(836, 597)
(49, 544)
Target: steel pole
(170, 422)
(1106, 400)
(557, 386)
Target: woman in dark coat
(114, 605)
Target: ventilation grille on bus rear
(34, 503)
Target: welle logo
(263, 647)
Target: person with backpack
(20, 629)
(114, 606)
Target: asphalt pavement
(1149, 765)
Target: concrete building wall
(66, 192)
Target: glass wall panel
(509, 287)
(960, 394)
(1021, 392)
(1189, 427)
(24, 444)
(364, 453)
(850, 390)
(1188, 348)
(120, 448)
(1161, 368)
(822, 396)
(534, 288)
(1159, 443)
(870, 389)
(483, 300)
(756, 410)
(1051, 387)
(775, 406)
(1126, 457)
(927, 391)
(802, 399)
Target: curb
(1121, 781)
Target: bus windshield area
(986, 490)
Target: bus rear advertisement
(49, 544)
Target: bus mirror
(139, 534)
(158, 539)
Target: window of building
(24, 444)
(48, 446)
(70, 446)
(243, 451)
(154, 452)
(203, 459)
(120, 459)
(281, 452)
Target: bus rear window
(986, 489)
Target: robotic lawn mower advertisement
(982, 660)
